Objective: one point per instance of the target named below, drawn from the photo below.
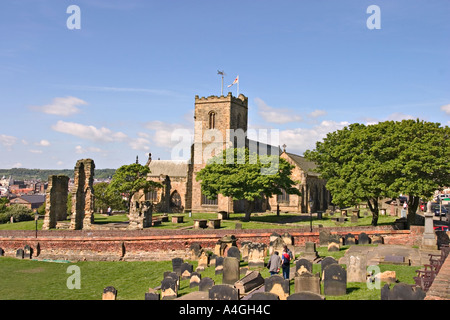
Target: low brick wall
(154, 244)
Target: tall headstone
(357, 269)
(231, 271)
(83, 195)
(56, 201)
(219, 265)
(234, 252)
(176, 265)
(335, 280)
(429, 239)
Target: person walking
(274, 263)
(286, 258)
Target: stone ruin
(56, 201)
(140, 215)
(83, 195)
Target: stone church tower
(215, 118)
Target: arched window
(212, 120)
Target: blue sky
(122, 83)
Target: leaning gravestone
(223, 292)
(278, 285)
(250, 282)
(231, 271)
(176, 265)
(335, 280)
(169, 289)
(363, 238)
(205, 284)
(305, 296)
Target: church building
(221, 115)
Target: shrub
(18, 212)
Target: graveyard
(227, 263)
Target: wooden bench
(425, 277)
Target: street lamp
(311, 202)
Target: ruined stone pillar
(83, 195)
(56, 200)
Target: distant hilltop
(42, 174)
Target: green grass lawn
(41, 280)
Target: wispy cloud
(276, 115)
(446, 109)
(7, 141)
(61, 106)
(89, 132)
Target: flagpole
(237, 94)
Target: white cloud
(446, 109)
(17, 165)
(89, 132)
(301, 139)
(398, 116)
(35, 151)
(276, 115)
(167, 135)
(317, 113)
(43, 143)
(80, 149)
(7, 141)
(61, 106)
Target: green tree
(243, 176)
(367, 163)
(130, 179)
(105, 199)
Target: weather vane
(222, 74)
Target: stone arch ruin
(83, 195)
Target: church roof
(172, 168)
(305, 165)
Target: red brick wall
(153, 244)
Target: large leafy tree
(242, 175)
(366, 163)
(130, 179)
(105, 199)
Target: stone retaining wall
(154, 244)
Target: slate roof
(305, 165)
(34, 198)
(171, 168)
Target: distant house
(33, 201)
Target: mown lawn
(41, 280)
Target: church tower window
(212, 120)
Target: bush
(18, 212)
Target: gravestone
(307, 281)
(174, 276)
(196, 250)
(335, 280)
(109, 293)
(203, 261)
(377, 239)
(310, 251)
(219, 265)
(357, 269)
(324, 236)
(326, 262)
(19, 254)
(256, 254)
(394, 259)
(223, 244)
(250, 282)
(223, 292)
(176, 265)
(195, 279)
(186, 270)
(264, 296)
(231, 271)
(305, 296)
(350, 239)
(333, 247)
(234, 252)
(303, 265)
(278, 285)
(244, 249)
(152, 294)
(169, 289)
(205, 284)
(287, 238)
(402, 291)
(363, 238)
(200, 223)
(27, 252)
(2, 252)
